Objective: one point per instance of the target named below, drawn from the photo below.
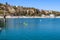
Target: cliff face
(24, 11)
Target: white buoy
(40, 20)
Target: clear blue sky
(40, 4)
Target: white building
(52, 15)
(43, 16)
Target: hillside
(6, 9)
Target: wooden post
(4, 17)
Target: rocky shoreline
(29, 17)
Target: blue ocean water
(31, 29)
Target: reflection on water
(31, 29)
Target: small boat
(25, 24)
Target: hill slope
(24, 11)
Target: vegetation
(24, 11)
(1, 12)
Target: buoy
(40, 20)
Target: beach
(29, 17)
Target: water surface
(31, 29)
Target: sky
(39, 4)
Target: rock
(25, 11)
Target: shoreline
(29, 17)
